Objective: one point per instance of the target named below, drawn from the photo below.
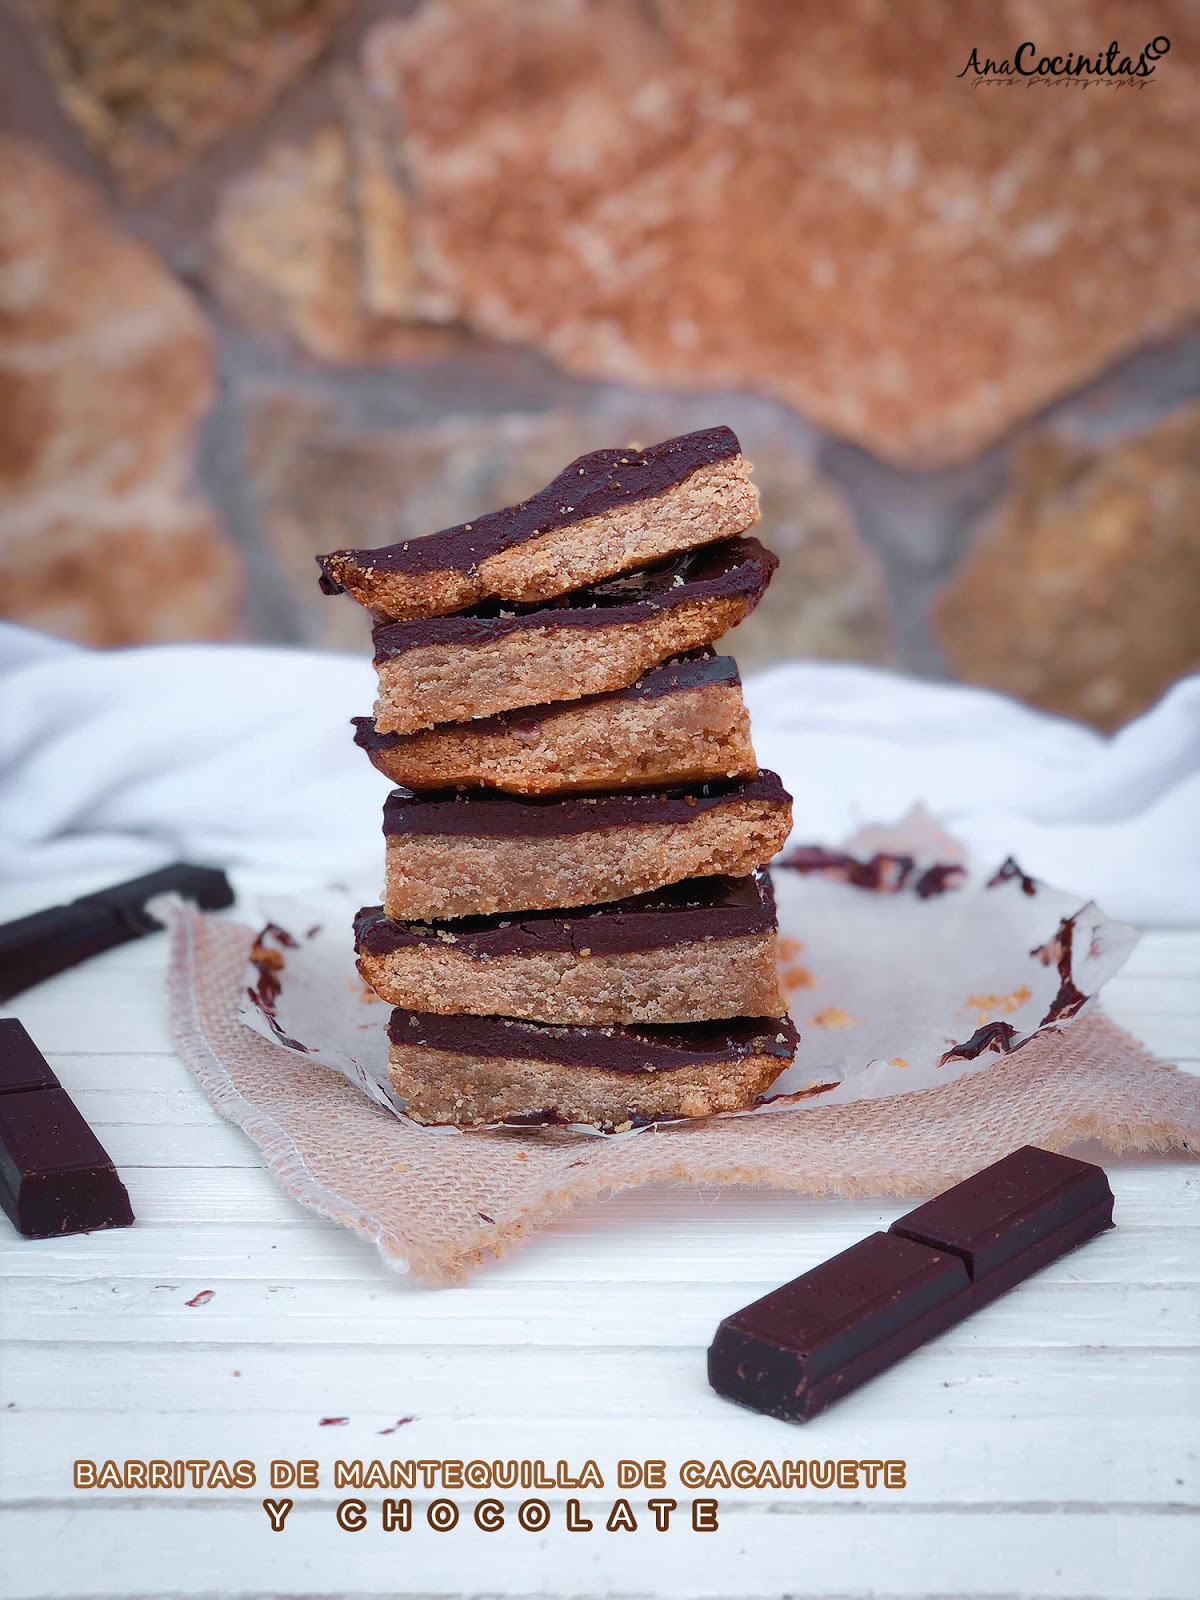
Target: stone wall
(278, 275)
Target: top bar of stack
(575, 927)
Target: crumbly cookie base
(444, 1087)
(615, 744)
(682, 983)
(715, 502)
(533, 666)
(462, 875)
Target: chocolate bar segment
(605, 513)
(498, 658)
(1015, 1216)
(55, 1176)
(804, 1345)
(38, 946)
(22, 1064)
(682, 722)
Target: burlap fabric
(442, 1204)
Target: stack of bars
(577, 925)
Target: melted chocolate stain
(1070, 999)
(884, 873)
(997, 1036)
(939, 878)
(1009, 869)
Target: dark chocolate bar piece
(652, 1048)
(806, 1344)
(1013, 1217)
(589, 486)
(22, 1064)
(481, 813)
(55, 1176)
(36, 947)
(735, 569)
(681, 913)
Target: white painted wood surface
(1050, 1442)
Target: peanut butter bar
(679, 723)
(606, 513)
(477, 853)
(696, 950)
(493, 659)
(473, 1070)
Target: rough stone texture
(1083, 592)
(105, 372)
(313, 243)
(803, 199)
(152, 83)
(322, 483)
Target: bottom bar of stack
(662, 1004)
(472, 1070)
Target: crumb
(835, 1017)
(797, 978)
(989, 1006)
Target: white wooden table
(1050, 1442)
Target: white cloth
(241, 756)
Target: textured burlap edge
(440, 1204)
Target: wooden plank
(1164, 953)
(108, 1025)
(1155, 997)
(1050, 1310)
(460, 1380)
(612, 1257)
(801, 1547)
(1150, 1193)
(1174, 1038)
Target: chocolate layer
(590, 486)
(628, 1050)
(683, 913)
(733, 568)
(693, 671)
(484, 813)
